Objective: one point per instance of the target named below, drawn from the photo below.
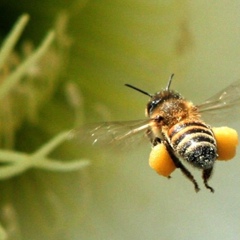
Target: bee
(178, 124)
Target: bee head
(159, 97)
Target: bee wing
(222, 105)
(111, 133)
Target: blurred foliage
(25, 86)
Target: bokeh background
(100, 46)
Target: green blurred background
(107, 44)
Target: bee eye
(152, 105)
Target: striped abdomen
(194, 142)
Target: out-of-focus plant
(26, 83)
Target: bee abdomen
(194, 142)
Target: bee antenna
(137, 89)
(169, 82)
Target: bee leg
(188, 174)
(206, 174)
(154, 140)
(178, 164)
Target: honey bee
(179, 125)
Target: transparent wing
(111, 133)
(222, 106)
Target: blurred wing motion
(221, 108)
(223, 105)
(111, 132)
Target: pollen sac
(161, 161)
(227, 141)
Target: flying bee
(178, 124)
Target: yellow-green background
(119, 196)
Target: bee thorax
(175, 111)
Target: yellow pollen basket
(227, 141)
(161, 161)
